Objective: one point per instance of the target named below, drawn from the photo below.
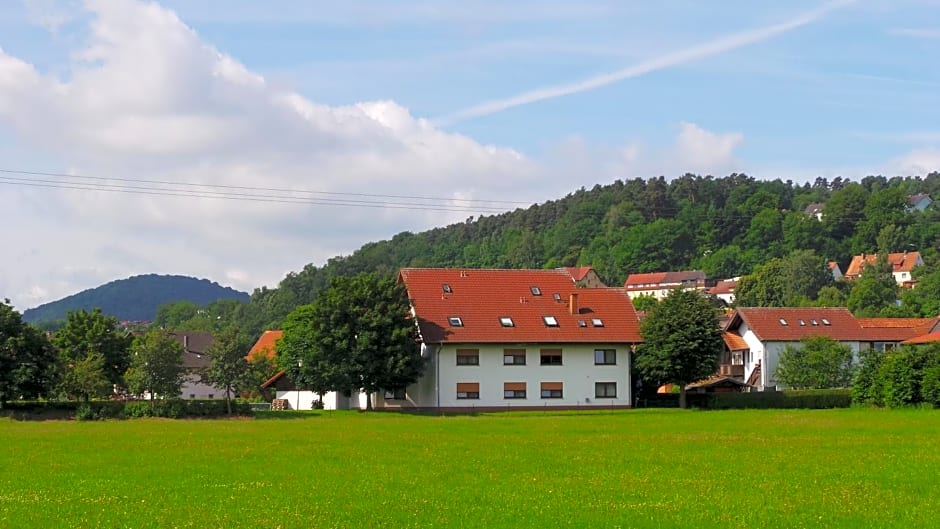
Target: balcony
(732, 370)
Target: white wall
(331, 401)
(577, 374)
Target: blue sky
(419, 97)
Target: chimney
(573, 303)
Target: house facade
(517, 339)
(902, 265)
(585, 276)
(659, 284)
(919, 202)
(195, 360)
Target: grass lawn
(641, 468)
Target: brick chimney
(573, 303)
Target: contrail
(699, 51)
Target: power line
(267, 189)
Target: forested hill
(136, 298)
(724, 226)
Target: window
(550, 357)
(597, 322)
(446, 288)
(506, 321)
(550, 321)
(211, 396)
(514, 390)
(825, 321)
(605, 390)
(814, 322)
(802, 323)
(192, 395)
(783, 322)
(556, 296)
(455, 321)
(514, 357)
(536, 291)
(582, 323)
(468, 357)
(605, 357)
(468, 390)
(395, 394)
(551, 390)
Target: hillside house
(195, 360)
(836, 272)
(585, 276)
(919, 202)
(724, 290)
(517, 339)
(815, 210)
(902, 264)
(659, 284)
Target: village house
(919, 202)
(585, 276)
(815, 210)
(195, 360)
(902, 264)
(659, 284)
(517, 339)
(724, 290)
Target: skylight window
(536, 291)
(802, 323)
(826, 322)
(597, 322)
(814, 322)
(506, 321)
(455, 321)
(446, 288)
(783, 322)
(550, 321)
(556, 296)
(582, 323)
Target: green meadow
(640, 468)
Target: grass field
(642, 468)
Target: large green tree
(681, 341)
(156, 366)
(794, 280)
(819, 362)
(27, 359)
(86, 333)
(875, 292)
(228, 366)
(86, 378)
(357, 335)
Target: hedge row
(790, 399)
(93, 410)
(907, 376)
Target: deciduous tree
(93, 332)
(86, 378)
(682, 341)
(27, 359)
(227, 364)
(156, 366)
(819, 362)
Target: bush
(930, 386)
(85, 413)
(792, 399)
(867, 387)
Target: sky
(238, 140)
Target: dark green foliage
(135, 298)
(27, 359)
(901, 377)
(357, 335)
(682, 341)
(807, 399)
(85, 378)
(88, 333)
(875, 293)
(228, 367)
(792, 281)
(156, 366)
(818, 363)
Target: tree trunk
(368, 401)
(228, 401)
(682, 403)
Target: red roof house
(902, 264)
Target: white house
(517, 339)
(902, 266)
(768, 331)
(659, 284)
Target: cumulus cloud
(918, 162)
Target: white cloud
(918, 162)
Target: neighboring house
(835, 270)
(731, 362)
(724, 290)
(295, 398)
(888, 333)
(195, 360)
(815, 210)
(923, 339)
(919, 202)
(659, 284)
(517, 339)
(902, 264)
(264, 347)
(585, 276)
(768, 331)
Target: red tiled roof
(578, 272)
(734, 341)
(265, 345)
(635, 281)
(481, 297)
(900, 262)
(922, 339)
(725, 286)
(896, 329)
(766, 323)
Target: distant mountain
(135, 298)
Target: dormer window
(550, 321)
(446, 288)
(597, 322)
(536, 291)
(455, 321)
(783, 322)
(556, 296)
(802, 323)
(825, 321)
(506, 321)
(814, 322)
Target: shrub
(85, 413)
(900, 378)
(805, 399)
(867, 388)
(930, 386)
